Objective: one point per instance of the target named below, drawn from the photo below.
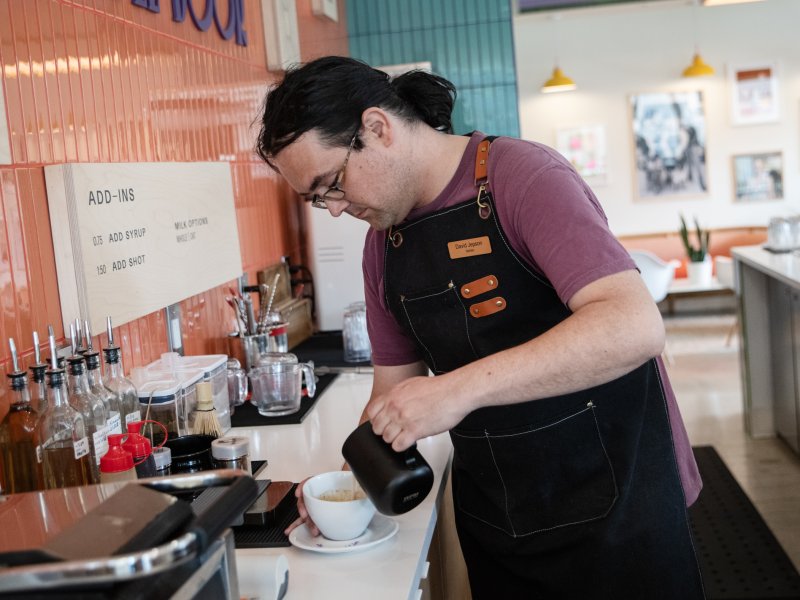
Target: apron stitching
(505, 491)
(677, 471)
(410, 324)
(429, 295)
(527, 431)
(466, 324)
(560, 525)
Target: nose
(336, 207)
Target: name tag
(471, 247)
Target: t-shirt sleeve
(390, 344)
(556, 223)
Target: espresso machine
(154, 538)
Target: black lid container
(396, 482)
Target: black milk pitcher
(395, 482)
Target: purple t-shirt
(554, 221)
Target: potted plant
(699, 265)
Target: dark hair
(329, 95)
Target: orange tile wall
(106, 81)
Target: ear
(377, 122)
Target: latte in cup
(337, 505)
(342, 495)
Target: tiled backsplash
(107, 81)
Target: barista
(489, 262)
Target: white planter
(700, 272)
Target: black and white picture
(669, 131)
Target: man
(490, 262)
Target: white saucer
(379, 530)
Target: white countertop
(783, 266)
(389, 570)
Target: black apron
(575, 496)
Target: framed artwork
(758, 176)
(754, 94)
(669, 135)
(282, 40)
(584, 147)
(326, 8)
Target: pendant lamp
(558, 81)
(698, 68)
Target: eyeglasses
(335, 192)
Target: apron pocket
(538, 478)
(438, 321)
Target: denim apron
(574, 496)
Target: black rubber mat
(269, 537)
(247, 415)
(325, 348)
(740, 558)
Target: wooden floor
(705, 375)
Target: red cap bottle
(140, 448)
(117, 463)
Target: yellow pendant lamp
(558, 81)
(699, 67)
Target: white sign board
(133, 238)
(5, 147)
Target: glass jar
(354, 334)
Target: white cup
(337, 519)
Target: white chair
(657, 275)
(725, 276)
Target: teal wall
(467, 41)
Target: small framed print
(754, 94)
(282, 40)
(326, 8)
(585, 148)
(758, 176)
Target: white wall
(614, 52)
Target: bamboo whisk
(205, 417)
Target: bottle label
(132, 417)
(100, 442)
(81, 448)
(114, 423)
(39, 454)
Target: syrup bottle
(64, 449)
(90, 406)
(95, 380)
(115, 381)
(18, 436)
(38, 387)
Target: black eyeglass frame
(334, 192)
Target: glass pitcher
(237, 383)
(278, 386)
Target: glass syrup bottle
(90, 406)
(23, 473)
(115, 381)
(38, 388)
(95, 380)
(64, 448)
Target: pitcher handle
(311, 382)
